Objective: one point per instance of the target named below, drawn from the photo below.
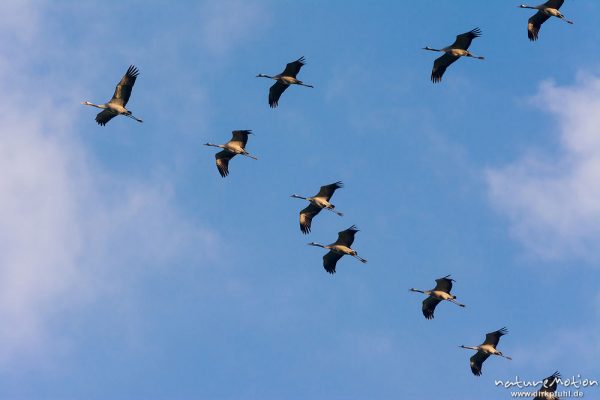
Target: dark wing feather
(275, 93)
(429, 305)
(476, 362)
(123, 89)
(463, 41)
(306, 217)
(439, 66)
(222, 160)
(493, 338)
(329, 261)
(549, 385)
(535, 23)
(104, 116)
(328, 190)
(346, 238)
(241, 136)
(444, 284)
(554, 3)
(292, 69)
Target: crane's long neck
(265, 76)
(526, 6)
(470, 347)
(214, 145)
(317, 245)
(299, 197)
(417, 290)
(431, 49)
(87, 103)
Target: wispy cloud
(553, 201)
(68, 228)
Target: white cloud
(553, 201)
(70, 232)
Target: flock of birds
(321, 201)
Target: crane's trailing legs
(132, 117)
(359, 258)
(250, 155)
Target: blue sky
(131, 270)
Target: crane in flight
(439, 293)
(235, 146)
(318, 202)
(548, 389)
(340, 248)
(116, 105)
(486, 349)
(545, 11)
(452, 53)
(284, 80)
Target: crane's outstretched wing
(346, 238)
(241, 137)
(328, 190)
(429, 305)
(329, 261)
(104, 116)
(275, 93)
(535, 23)
(125, 86)
(476, 362)
(463, 41)
(444, 284)
(306, 217)
(292, 69)
(549, 385)
(493, 338)
(222, 160)
(439, 66)
(554, 3)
